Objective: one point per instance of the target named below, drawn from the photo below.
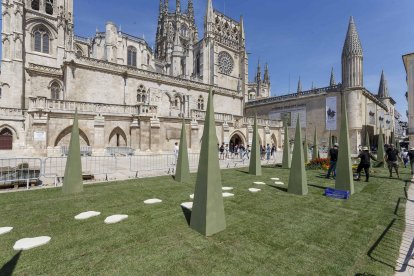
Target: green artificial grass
(268, 233)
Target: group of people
(234, 151)
(267, 152)
(392, 158)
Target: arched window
(55, 91)
(198, 65)
(132, 56)
(35, 5)
(200, 103)
(148, 59)
(142, 94)
(49, 7)
(41, 40)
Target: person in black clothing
(392, 156)
(365, 163)
(411, 156)
(333, 154)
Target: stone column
(135, 139)
(144, 130)
(249, 135)
(226, 133)
(194, 138)
(155, 134)
(39, 135)
(98, 147)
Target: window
(148, 59)
(200, 103)
(132, 56)
(41, 40)
(198, 65)
(35, 5)
(49, 7)
(55, 91)
(1, 93)
(142, 94)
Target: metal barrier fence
(84, 150)
(126, 151)
(54, 167)
(15, 171)
(146, 163)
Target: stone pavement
(405, 262)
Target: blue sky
(296, 37)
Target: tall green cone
(182, 170)
(380, 150)
(305, 149)
(344, 178)
(298, 183)
(286, 151)
(72, 182)
(367, 144)
(315, 153)
(207, 216)
(255, 167)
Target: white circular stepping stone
(254, 190)
(5, 230)
(279, 183)
(192, 196)
(87, 215)
(259, 183)
(187, 205)
(153, 201)
(29, 243)
(227, 188)
(275, 179)
(227, 195)
(115, 219)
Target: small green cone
(305, 149)
(380, 150)
(72, 181)
(367, 144)
(286, 151)
(207, 216)
(344, 179)
(298, 183)
(315, 153)
(255, 167)
(182, 170)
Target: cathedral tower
(352, 59)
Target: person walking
(247, 152)
(411, 157)
(268, 151)
(392, 156)
(333, 155)
(176, 150)
(222, 151)
(226, 150)
(365, 163)
(404, 156)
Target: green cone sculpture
(286, 150)
(380, 150)
(182, 170)
(207, 215)
(344, 178)
(305, 149)
(72, 182)
(367, 143)
(298, 183)
(315, 153)
(255, 167)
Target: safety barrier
(125, 151)
(164, 163)
(15, 171)
(84, 150)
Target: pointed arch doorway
(6, 139)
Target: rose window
(226, 63)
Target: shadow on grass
(317, 186)
(387, 243)
(187, 215)
(246, 172)
(283, 189)
(8, 268)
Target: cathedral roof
(352, 45)
(383, 88)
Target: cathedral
(127, 94)
(320, 108)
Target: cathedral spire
(209, 19)
(161, 7)
(242, 34)
(299, 86)
(258, 72)
(266, 77)
(383, 87)
(332, 81)
(166, 6)
(313, 86)
(352, 58)
(190, 8)
(178, 6)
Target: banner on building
(388, 124)
(331, 113)
(381, 118)
(371, 114)
(290, 116)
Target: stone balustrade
(42, 103)
(11, 113)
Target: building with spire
(408, 61)
(128, 94)
(367, 111)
